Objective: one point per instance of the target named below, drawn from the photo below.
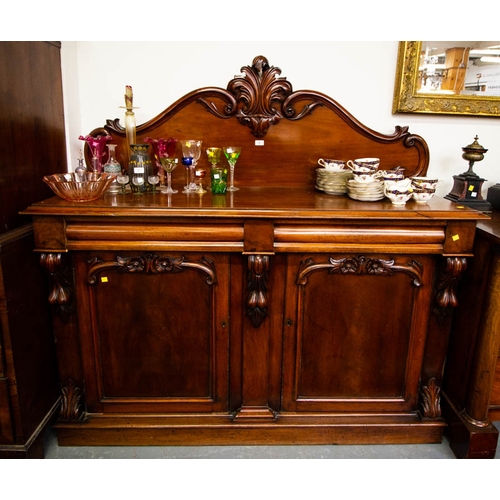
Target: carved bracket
(71, 403)
(445, 293)
(446, 287)
(61, 292)
(361, 265)
(431, 400)
(258, 268)
(151, 264)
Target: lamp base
(467, 191)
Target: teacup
(361, 176)
(333, 165)
(396, 174)
(364, 164)
(398, 197)
(423, 196)
(425, 182)
(398, 185)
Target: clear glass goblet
(153, 180)
(187, 161)
(232, 154)
(138, 181)
(191, 149)
(122, 179)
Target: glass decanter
(112, 167)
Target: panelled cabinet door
(355, 332)
(154, 331)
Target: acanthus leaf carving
(71, 403)
(361, 265)
(261, 92)
(151, 264)
(431, 400)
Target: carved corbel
(446, 285)
(61, 292)
(257, 300)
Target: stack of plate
(332, 182)
(365, 191)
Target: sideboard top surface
(248, 202)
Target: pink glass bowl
(88, 186)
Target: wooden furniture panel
(282, 132)
(29, 393)
(347, 320)
(275, 314)
(32, 145)
(169, 347)
(32, 126)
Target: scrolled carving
(261, 92)
(151, 264)
(71, 403)
(431, 400)
(361, 265)
(258, 268)
(61, 284)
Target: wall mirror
(453, 78)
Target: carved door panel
(355, 332)
(157, 338)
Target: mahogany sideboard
(274, 314)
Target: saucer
(332, 182)
(365, 191)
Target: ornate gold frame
(407, 100)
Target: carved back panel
(282, 133)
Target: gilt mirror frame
(408, 100)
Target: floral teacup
(423, 196)
(364, 164)
(360, 176)
(396, 174)
(425, 182)
(398, 197)
(399, 185)
(333, 165)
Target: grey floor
(415, 451)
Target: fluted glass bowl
(88, 186)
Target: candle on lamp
(129, 116)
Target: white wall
(358, 75)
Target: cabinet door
(355, 332)
(154, 331)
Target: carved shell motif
(260, 91)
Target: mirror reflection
(459, 68)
